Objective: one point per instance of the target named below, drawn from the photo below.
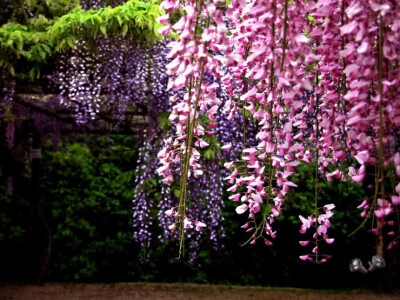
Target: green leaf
(42, 54)
(204, 118)
(46, 48)
(32, 73)
(119, 20)
(103, 29)
(12, 70)
(9, 43)
(71, 42)
(124, 30)
(209, 154)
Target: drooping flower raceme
(318, 78)
(192, 55)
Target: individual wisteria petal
(241, 209)
(170, 212)
(363, 204)
(375, 231)
(304, 257)
(267, 242)
(393, 244)
(306, 222)
(397, 189)
(235, 197)
(227, 147)
(395, 200)
(163, 19)
(329, 241)
(304, 243)
(199, 225)
(245, 226)
(165, 30)
(229, 165)
(362, 157)
(187, 223)
(358, 178)
(329, 207)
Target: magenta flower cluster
(320, 78)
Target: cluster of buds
(187, 223)
(321, 223)
(382, 211)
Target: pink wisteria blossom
(317, 78)
(199, 225)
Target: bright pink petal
(304, 243)
(329, 241)
(392, 244)
(305, 222)
(227, 147)
(397, 189)
(163, 19)
(364, 203)
(396, 200)
(241, 209)
(358, 178)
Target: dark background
(86, 191)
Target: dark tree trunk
(41, 240)
(382, 279)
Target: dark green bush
(86, 196)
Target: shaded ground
(175, 291)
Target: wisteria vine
(320, 79)
(276, 83)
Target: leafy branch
(42, 38)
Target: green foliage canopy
(42, 37)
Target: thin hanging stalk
(380, 155)
(246, 87)
(270, 168)
(379, 173)
(316, 175)
(271, 117)
(183, 194)
(284, 34)
(344, 79)
(316, 213)
(188, 150)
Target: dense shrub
(86, 197)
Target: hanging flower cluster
(202, 34)
(320, 78)
(321, 224)
(371, 52)
(254, 64)
(79, 82)
(113, 77)
(208, 188)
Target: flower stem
(285, 21)
(381, 173)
